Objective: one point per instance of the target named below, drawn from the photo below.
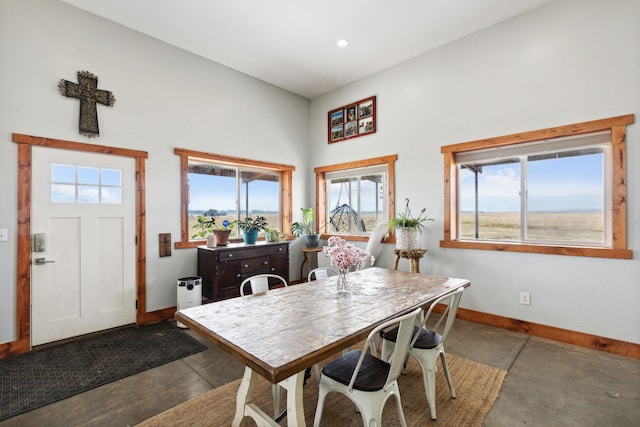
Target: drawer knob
(266, 263)
(279, 249)
(246, 266)
(230, 255)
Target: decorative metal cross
(87, 91)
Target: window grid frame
(618, 249)
(286, 179)
(321, 192)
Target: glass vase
(342, 284)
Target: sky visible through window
(560, 184)
(218, 192)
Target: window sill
(196, 243)
(357, 237)
(540, 249)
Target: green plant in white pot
(408, 228)
(305, 228)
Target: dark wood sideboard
(223, 268)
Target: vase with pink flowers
(345, 257)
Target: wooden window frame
(321, 191)
(286, 174)
(617, 127)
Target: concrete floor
(549, 384)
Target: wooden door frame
(22, 344)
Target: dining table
(280, 333)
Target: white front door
(83, 251)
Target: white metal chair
(321, 273)
(428, 344)
(260, 285)
(373, 245)
(367, 380)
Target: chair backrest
(406, 324)
(260, 283)
(373, 245)
(442, 325)
(321, 273)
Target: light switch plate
(4, 234)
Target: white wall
(566, 62)
(165, 98)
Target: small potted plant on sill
(408, 228)
(206, 230)
(251, 227)
(273, 235)
(222, 234)
(305, 229)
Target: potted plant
(304, 228)
(222, 234)
(251, 227)
(408, 228)
(273, 235)
(206, 230)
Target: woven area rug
(477, 387)
(44, 376)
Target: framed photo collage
(352, 121)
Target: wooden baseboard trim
(610, 345)
(14, 348)
(156, 316)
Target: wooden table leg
(395, 264)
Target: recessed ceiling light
(343, 42)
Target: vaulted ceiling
(292, 44)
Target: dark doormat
(44, 376)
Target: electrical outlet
(525, 298)
(4, 234)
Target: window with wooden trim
(352, 198)
(557, 191)
(230, 188)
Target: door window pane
(111, 177)
(88, 194)
(111, 195)
(89, 185)
(63, 173)
(63, 193)
(88, 175)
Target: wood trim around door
(22, 344)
